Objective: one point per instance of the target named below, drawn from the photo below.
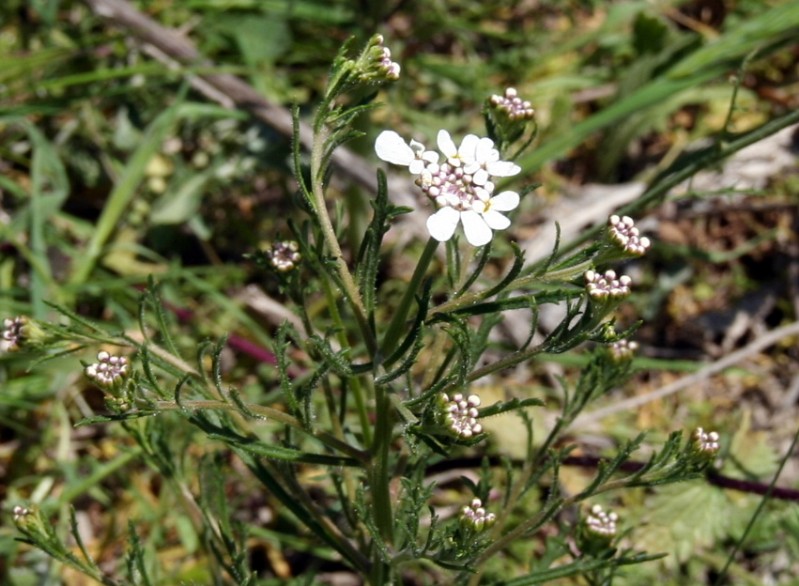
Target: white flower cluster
(607, 284)
(12, 335)
(513, 105)
(706, 441)
(622, 350)
(460, 414)
(623, 232)
(475, 516)
(284, 255)
(601, 523)
(109, 370)
(461, 185)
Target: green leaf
(682, 519)
(512, 405)
(275, 452)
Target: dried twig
(758, 345)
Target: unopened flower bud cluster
(284, 255)
(12, 336)
(513, 105)
(706, 441)
(20, 513)
(376, 64)
(622, 350)
(391, 68)
(475, 516)
(109, 370)
(623, 232)
(607, 284)
(460, 414)
(600, 522)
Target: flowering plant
(375, 390)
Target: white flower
(461, 185)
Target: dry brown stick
(224, 88)
(759, 344)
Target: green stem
(468, 299)
(397, 325)
(507, 362)
(329, 236)
(381, 478)
(355, 383)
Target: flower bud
(109, 371)
(475, 516)
(459, 414)
(603, 285)
(284, 255)
(623, 233)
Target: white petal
(468, 148)
(392, 148)
(495, 220)
(483, 192)
(505, 201)
(471, 168)
(442, 224)
(446, 145)
(503, 168)
(417, 146)
(476, 229)
(430, 156)
(480, 177)
(483, 152)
